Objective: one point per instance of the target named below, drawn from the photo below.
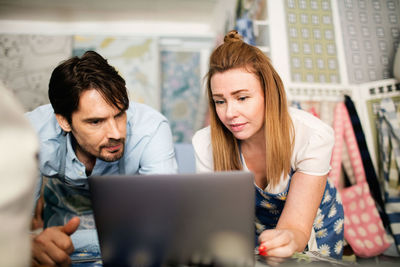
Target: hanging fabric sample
(388, 126)
(363, 228)
(244, 24)
(372, 178)
(182, 97)
(373, 102)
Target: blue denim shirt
(148, 149)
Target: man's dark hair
(76, 75)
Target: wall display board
(26, 64)
(311, 41)
(181, 92)
(136, 59)
(371, 32)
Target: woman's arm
(293, 230)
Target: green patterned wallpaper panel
(312, 47)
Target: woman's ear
(63, 122)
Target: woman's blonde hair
(279, 136)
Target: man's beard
(110, 157)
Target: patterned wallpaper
(371, 32)
(311, 36)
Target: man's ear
(63, 122)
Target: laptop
(175, 219)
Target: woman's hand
(277, 243)
(294, 226)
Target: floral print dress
(328, 223)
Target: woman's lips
(237, 127)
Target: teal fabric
(388, 126)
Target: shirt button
(80, 173)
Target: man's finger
(70, 227)
(42, 259)
(50, 255)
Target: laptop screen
(175, 219)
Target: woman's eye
(218, 102)
(242, 98)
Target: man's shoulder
(144, 117)
(40, 113)
(43, 121)
(140, 109)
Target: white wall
(188, 18)
(142, 28)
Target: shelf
(260, 22)
(265, 49)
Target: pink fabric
(363, 228)
(314, 111)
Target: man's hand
(53, 246)
(37, 220)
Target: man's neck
(88, 160)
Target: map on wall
(135, 58)
(182, 94)
(26, 64)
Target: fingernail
(262, 250)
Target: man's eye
(119, 115)
(95, 122)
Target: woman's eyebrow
(239, 91)
(232, 93)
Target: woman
(288, 150)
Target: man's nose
(113, 131)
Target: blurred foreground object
(18, 172)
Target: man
(18, 163)
(90, 128)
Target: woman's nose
(231, 110)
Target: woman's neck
(254, 155)
(256, 142)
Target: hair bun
(232, 36)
